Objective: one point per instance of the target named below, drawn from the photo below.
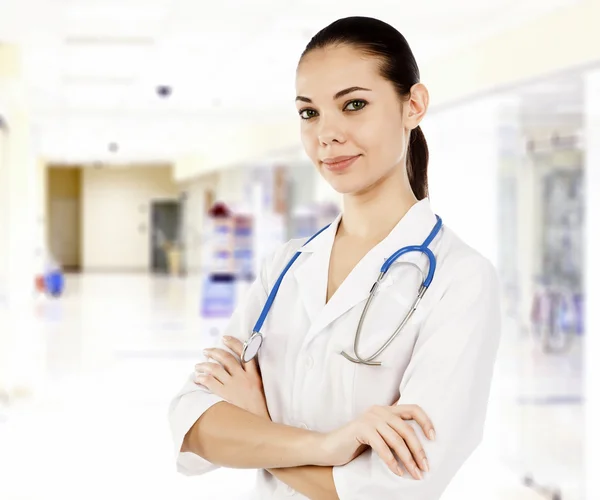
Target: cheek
(385, 144)
(310, 143)
(376, 143)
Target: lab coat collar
(312, 273)
(309, 273)
(325, 238)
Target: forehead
(329, 70)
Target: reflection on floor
(114, 350)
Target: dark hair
(398, 65)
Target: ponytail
(418, 158)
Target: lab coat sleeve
(192, 400)
(449, 376)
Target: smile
(339, 163)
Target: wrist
(260, 411)
(313, 448)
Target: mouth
(339, 163)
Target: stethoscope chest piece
(251, 347)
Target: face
(354, 125)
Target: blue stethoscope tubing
(253, 344)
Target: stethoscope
(253, 344)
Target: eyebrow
(341, 93)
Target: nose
(330, 131)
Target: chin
(346, 184)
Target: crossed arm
(232, 437)
(449, 374)
(240, 434)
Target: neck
(372, 214)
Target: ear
(416, 106)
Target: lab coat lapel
(412, 229)
(354, 289)
(312, 271)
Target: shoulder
(463, 266)
(284, 252)
(276, 260)
(465, 289)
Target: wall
(3, 214)
(21, 202)
(116, 215)
(20, 360)
(194, 219)
(592, 283)
(464, 171)
(251, 144)
(563, 39)
(231, 186)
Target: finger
(210, 382)
(411, 441)
(234, 344)
(237, 346)
(215, 370)
(360, 450)
(375, 441)
(397, 444)
(252, 367)
(416, 413)
(226, 359)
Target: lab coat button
(290, 491)
(304, 426)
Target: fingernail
(206, 352)
(426, 465)
(417, 473)
(432, 435)
(399, 470)
(226, 339)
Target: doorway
(64, 216)
(165, 234)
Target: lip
(339, 162)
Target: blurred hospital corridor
(156, 154)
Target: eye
(307, 113)
(355, 105)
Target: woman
(314, 423)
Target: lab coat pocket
(376, 385)
(392, 302)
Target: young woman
(330, 414)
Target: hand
(240, 385)
(384, 429)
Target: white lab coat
(442, 361)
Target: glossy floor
(86, 413)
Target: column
(592, 282)
(465, 144)
(20, 343)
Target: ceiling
(92, 67)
